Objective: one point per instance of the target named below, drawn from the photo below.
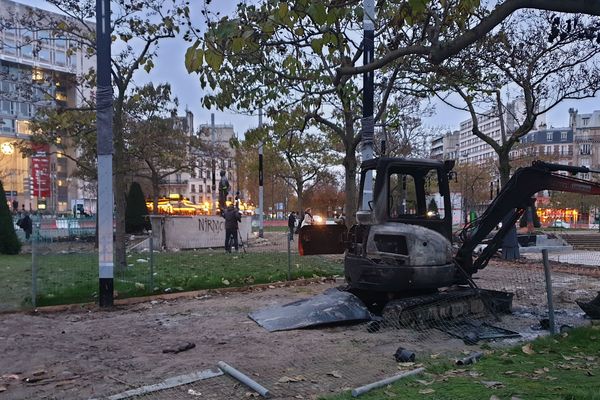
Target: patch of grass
(15, 281)
(73, 278)
(558, 367)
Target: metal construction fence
(59, 265)
(507, 302)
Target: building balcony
(174, 182)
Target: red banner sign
(40, 172)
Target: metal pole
(289, 277)
(548, 275)
(260, 181)
(246, 380)
(104, 117)
(213, 167)
(34, 238)
(151, 244)
(367, 122)
(384, 382)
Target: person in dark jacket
(232, 218)
(26, 224)
(292, 224)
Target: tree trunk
(350, 167)
(510, 244)
(155, 191)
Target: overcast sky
(170, 68)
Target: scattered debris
(194, 392)
(404, 355)
(246, 380)
(179, 349)
(335, 374)
(528, 349)
(286, 379)
(591, 308)
(384, 382)
(492, 384)
(471, 359)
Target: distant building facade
(445, 147)
(36, 70)
(199, 186)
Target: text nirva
(210, 225)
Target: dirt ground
(87, 353)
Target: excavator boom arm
(511, 202)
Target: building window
(60, 58)
(193, 190)
(200, 188)
(193, 199)
(44, 55)
(27, 51)
(563, 136)
(549, 136)
(585, 149)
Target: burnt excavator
(401, 252)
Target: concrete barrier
(193, 232)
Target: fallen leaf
(434, 356)
(252, 394)
(492, 384)
(589, 373)
(389, 394)
(527, 349)
(2, 388)
(194, 392)
(426, 391)
(335, 374)
(474, 374)
(422, 382)
(286, 379)
(539, 371)
(509, 372)
(568, 358)
(225, 282)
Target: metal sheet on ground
(333, 306)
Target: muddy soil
(87, 353)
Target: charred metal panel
(423, 246)
(391, 244)
(333, 306)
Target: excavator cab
(402, 238)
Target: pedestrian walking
(232, 218)
(26, 224)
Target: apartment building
(445, 147)
(37, 70)
(586, 138)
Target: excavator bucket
(322, 239)
(333, 306)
